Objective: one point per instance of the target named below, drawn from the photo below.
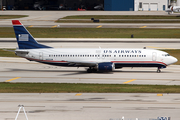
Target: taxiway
(29, 72)
(99, 42)
(89, 106)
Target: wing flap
(84, 63)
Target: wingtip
(16, 22)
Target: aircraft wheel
(158, 71)
(94, 70)
(89, 70)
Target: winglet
(16, 22)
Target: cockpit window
(165, 55)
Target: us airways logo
(122, 51)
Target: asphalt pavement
(48, 18)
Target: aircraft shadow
(74, 72)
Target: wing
(82, 63)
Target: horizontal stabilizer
(21, 52)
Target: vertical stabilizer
(24, 39)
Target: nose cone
(168, 10)
(174, 60)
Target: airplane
(172, 9)
(96, 59)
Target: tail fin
(24, 39)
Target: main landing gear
(158, 70)
(91, 70)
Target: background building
(121, 5)
(153, 5)
(50, 4)
(107, 5)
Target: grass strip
(85, 88)
(12, 16)
(95, 32)
(122, 17)
(175, 53)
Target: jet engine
(105, 67)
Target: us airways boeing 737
(97, 59)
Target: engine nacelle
(105, 67)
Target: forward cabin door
(40, 55)
(154, 56)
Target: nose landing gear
(158, 70)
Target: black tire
(158, 71)
(89, 71)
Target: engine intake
(106, 67)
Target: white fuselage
(91, 57)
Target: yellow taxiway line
(129, 81)
(12, 79)
(159, 94)
(78, 94)
(99, 26)
(30, 26)
(143, 26)
(54, 26)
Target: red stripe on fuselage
(139, 62)
(46, 60)
(146, 62)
